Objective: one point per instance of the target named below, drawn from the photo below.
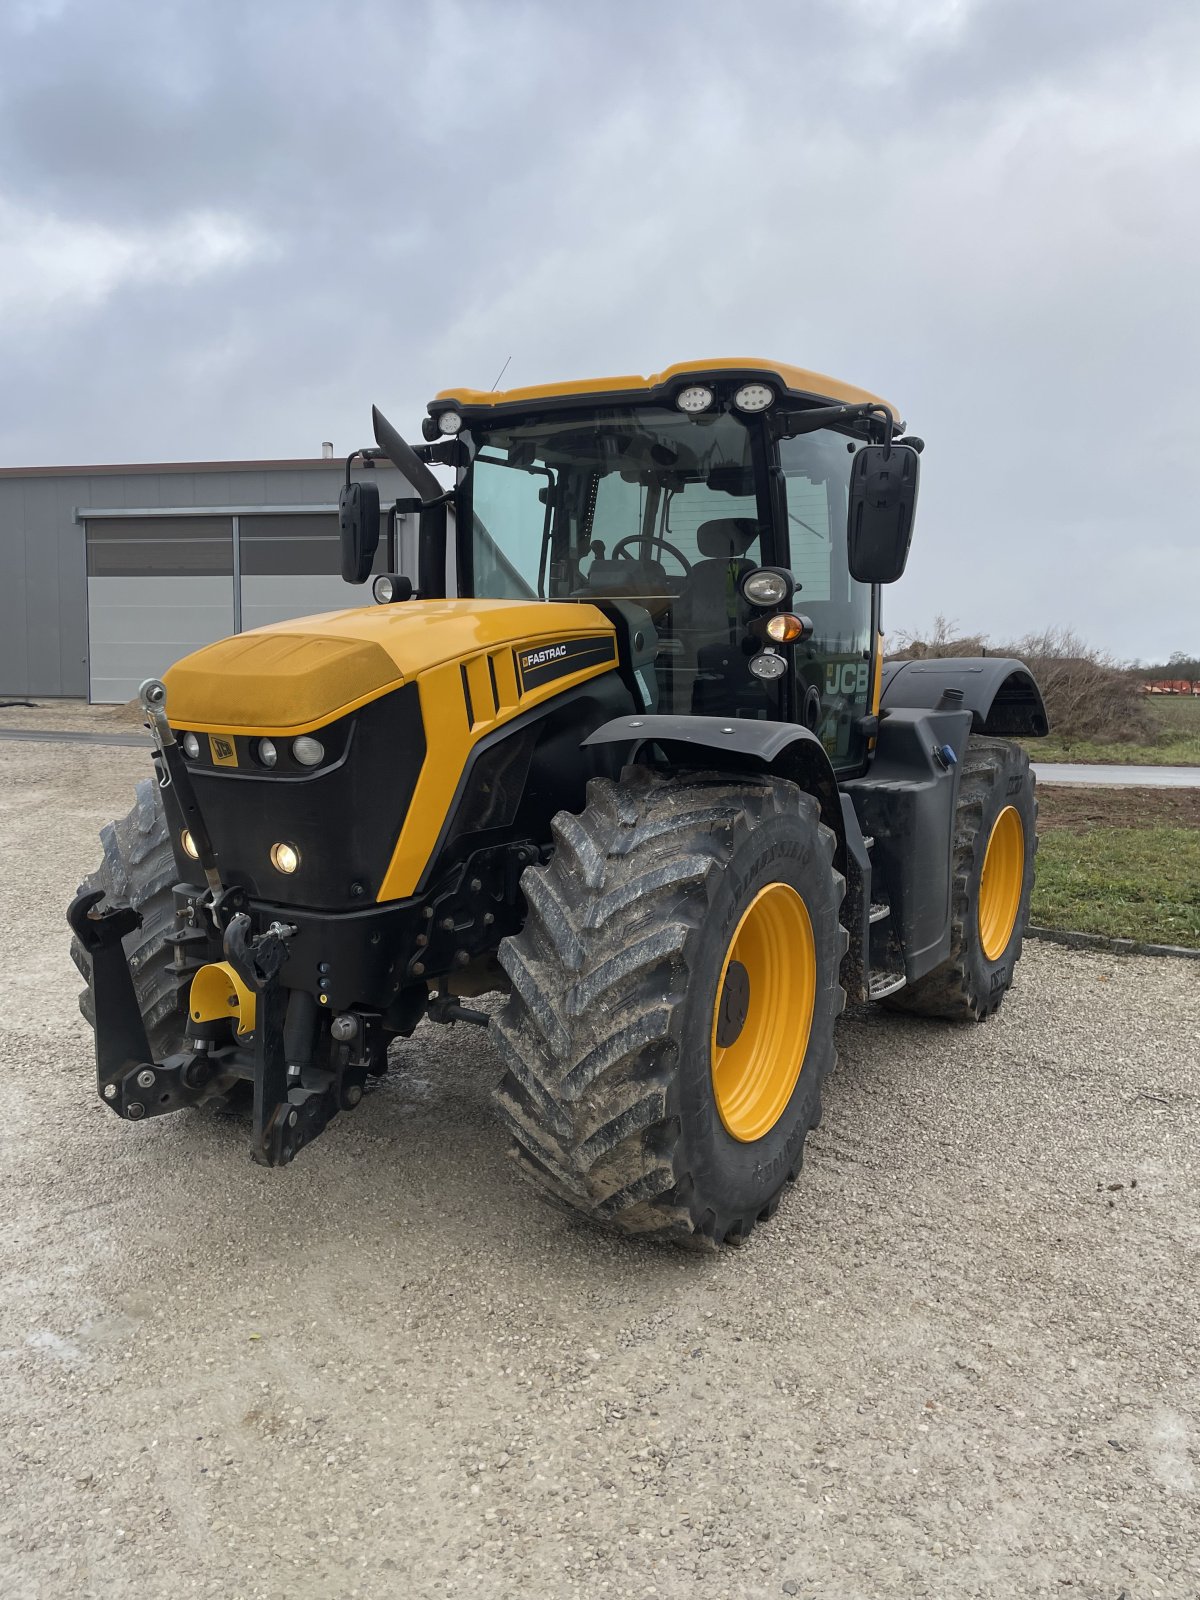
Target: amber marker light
(786, 628)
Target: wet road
(1078, 772)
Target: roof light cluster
(751, 397)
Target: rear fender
(1000, 693)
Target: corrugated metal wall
(43, 566)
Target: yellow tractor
(622, 749)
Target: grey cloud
(985, 211)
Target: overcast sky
(227, 228)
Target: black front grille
(344, 818)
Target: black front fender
(735, 744)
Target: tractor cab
(707, 510)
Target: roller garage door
(160, 586)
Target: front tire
(674, 992)
(138, 869)
(995, 841)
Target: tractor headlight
(449, 422)
(191, 746)
(767, 587)
(266, 752)
(754, 397)
(189, 844)
(696, 397)
(768, 666)
(285, 857)
(308, 752)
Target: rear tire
(610, 1033)
(138, 869)
(988, 917)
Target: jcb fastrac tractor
(646, 775)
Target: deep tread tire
(605, 1036)
(967, 987)
(138, 869)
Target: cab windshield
(668, 512)
(641, 504)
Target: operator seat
(709, 608)
(708, 616)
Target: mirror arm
(369, 455)
(887, 425)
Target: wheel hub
(733, 1004)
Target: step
(879, 911)
(885, 983)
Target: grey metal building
(109, 574)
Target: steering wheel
(650, 538)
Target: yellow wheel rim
(763, 1012)
(1001, 883)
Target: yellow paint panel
(266, 680)
(797, 380)
(506, 677)
(479, 682)
(294, 677)
(450, 741)
(877, 676)
(217, 991)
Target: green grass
(1178, 745)
(1127, 883)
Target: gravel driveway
(960, 1362)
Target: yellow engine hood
(295, 676)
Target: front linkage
(293, 1101)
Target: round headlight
(753, 397)
(765, 588)
(768, 666)
(191, 746)
(285, 857)
(694, 398)
(189, 845)
(384, 589)
(449, 422)
(308, 752)
(266, 752)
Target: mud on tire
(968, 987)
(138, 869)
(605, 1037)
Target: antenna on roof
(500, 374)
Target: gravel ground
(961, 1361)
(70, 716)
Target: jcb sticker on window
(224, 751)
(847, 677)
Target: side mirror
(883, 502)
(358, 526)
